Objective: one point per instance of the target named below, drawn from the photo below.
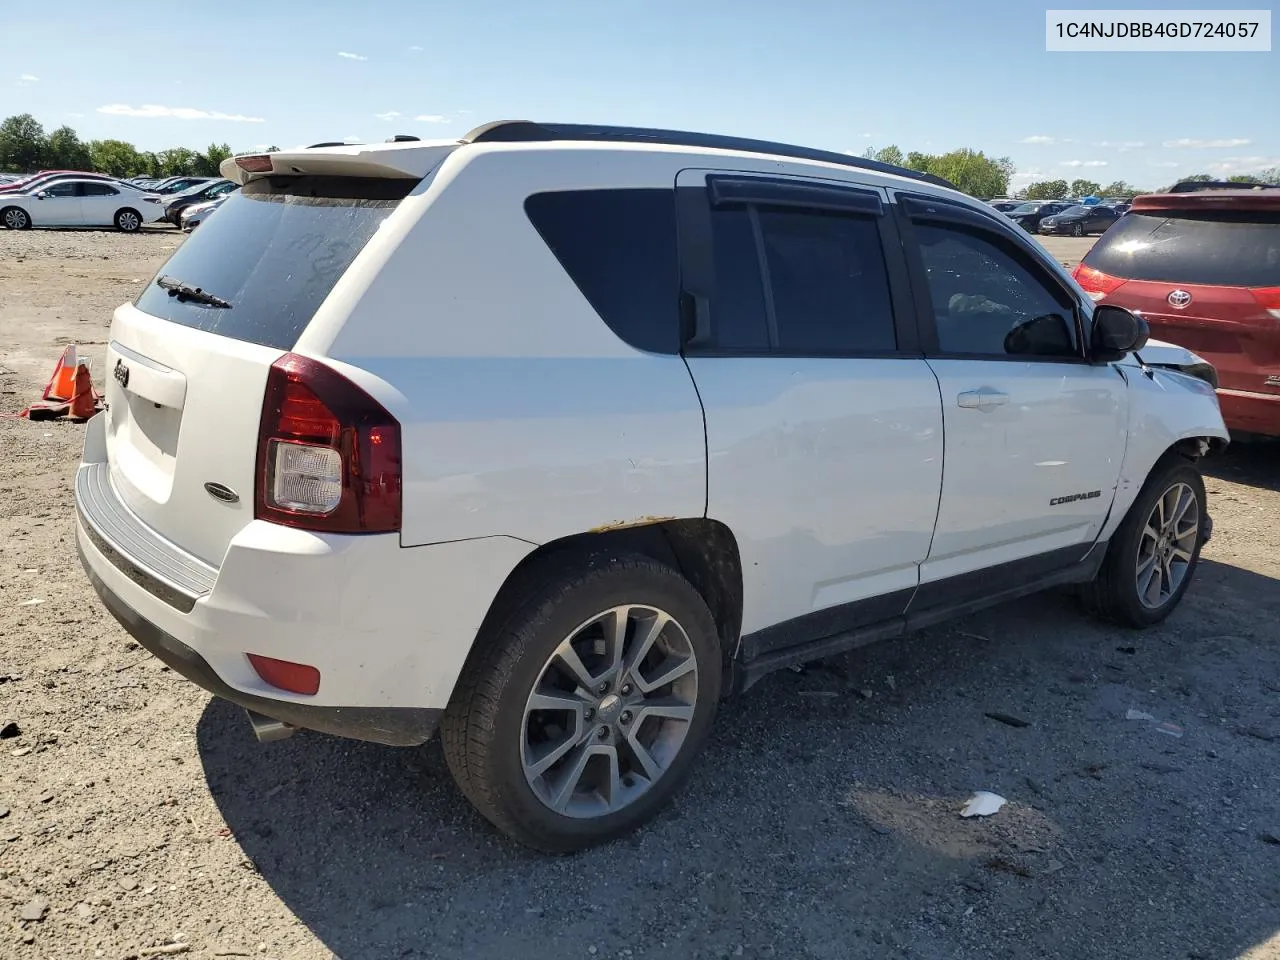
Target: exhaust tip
(268, 729)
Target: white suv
(554, 435)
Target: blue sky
(928, 75)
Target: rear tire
(15, 218)
(547, 679)
(128, 220)
(1077, 230)
(1153, 555)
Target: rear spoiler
(1208, 200)
(386, 161)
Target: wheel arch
(115, 217)
(703, 551)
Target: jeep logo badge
(1179, 299)
(220, 492)
(121, 373)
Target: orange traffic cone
(85, 401)
(62, 385)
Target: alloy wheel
(128, 221)
(1167, 545)
(15, 219)
(609, 712)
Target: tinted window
(1219, 249)
(619, 247)
(275, 250)
(990, 300)
(738, 319)
(829, 283)
(62, 189)
(97, 190)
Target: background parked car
(1029, 215)
(197, 213)
(175, 185)
(80, 203)
(35, 180)
(1080, 220)
(193, 195)
(1204, 269)
(1004, 206)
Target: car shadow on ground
(1256, 464)
(823, 818)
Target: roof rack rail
(328, 143)
(1201, 186)
(524, 131)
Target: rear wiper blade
(184, 291)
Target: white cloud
(416, 49)
(1121, 145)
(1187, 142)
(431, 118)
(28, 78)
(153, 110)
(389, 115)
(1167, 164)
(1024, 178)
(1229, 165)
(1038, 138)
(350, 56)
(1082, 163)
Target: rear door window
(275, 250)
(1218, 249)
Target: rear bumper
(389, 628)
(395, 726)
(1250, 412)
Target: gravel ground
(135, 812)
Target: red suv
(1204, 270)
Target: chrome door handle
(984, 398)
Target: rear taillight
(258, 163)
(1268, 298)
(328, 453)
(1094, 282)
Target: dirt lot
(135, 812)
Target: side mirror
(43, 194)
(1116, 332)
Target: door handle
(984, 398)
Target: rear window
(275, 250)
(1219, 249)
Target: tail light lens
(259, 163)
(286, 675)
(328, 453)
(1269, 299)
(1094, 282)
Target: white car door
(57, 205)
(1035, 433)
(824, 425)
(99, 203)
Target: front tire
(128, 220)
(1077, 230)
(580, 712)
(15, 218)
(1153, 555)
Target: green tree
(1270, 175)
(115, 157)
(890, 154)
(177, 162)
(1048, 190)
(66, 152)
(1119, 190)
(23, 145)
(1242, 178)
(206, 164)
(1196, 178)
(972, 171)
(1085, 188)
